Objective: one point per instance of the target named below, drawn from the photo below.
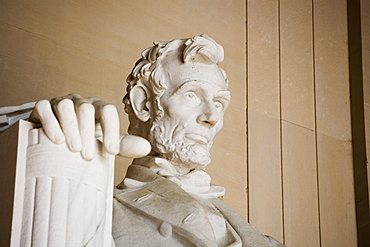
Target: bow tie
(196, 182)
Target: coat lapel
(167, 202)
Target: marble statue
(176, 99)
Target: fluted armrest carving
(60, 199)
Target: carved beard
(186, 155)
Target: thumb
(134, 146)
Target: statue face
(194, 105)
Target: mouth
(197, 138)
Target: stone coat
(160, 213)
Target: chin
(186, 155)
(189, 156)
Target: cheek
(183, 115)
(182, 105)
(218, 126)
(173, 127)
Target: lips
(197, 138)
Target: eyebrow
(191, 83)
(224, 94)
(199, 84)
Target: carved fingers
(86, 124)
(65, 112)
(134, 146)
(44, 114)
(107, 116)
(76, 119)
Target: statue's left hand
(74, 119)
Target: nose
(209, 115)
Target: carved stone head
(176, 98)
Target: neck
(194, 181)
(179, 167)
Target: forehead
(179, 73)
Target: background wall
(295, 178)
(361, 53)
(299, 122)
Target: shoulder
(250, 235)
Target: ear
(139, 97)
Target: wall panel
(265, 187)
(296, 49)
(299, 131)
(300, 192)
(335, 167)
(338, 219)
(364, 228)
(301, 213)
(331, 69)
(365, 35)
(263, 54)
(264, 162)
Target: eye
(190, 95)
(219, 105)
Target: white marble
(176, 99)
(60, 199)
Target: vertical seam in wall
(246, 111)
(315, 117)
(358, 127)
(281, 128)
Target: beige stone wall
(365, 25)
(364, 222)
(299, 127)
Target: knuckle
(86, 108)
(109, 109)
(42, 106)
(94, 99)
(75, 95)
(64, 105)
(55, 100)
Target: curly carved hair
(148, 71)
